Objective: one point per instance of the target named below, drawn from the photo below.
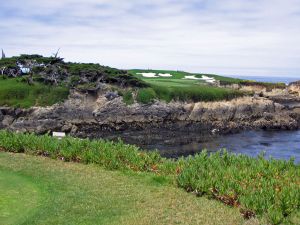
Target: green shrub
(112, 155)
(163, 93)
(128, 98)
(146, 95)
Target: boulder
(7, 120)
(294, 88)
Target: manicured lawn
(16, 92)
(177, 88)
(20, 197)
(178, 75)
(37, 190)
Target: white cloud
(252, 37)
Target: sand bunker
(153, 75)
(190, 77)
(209, 79)
(193, 77)
(164, 75)
(204, 78)
(148, 75)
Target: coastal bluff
(85, 115)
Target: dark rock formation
(99, 116)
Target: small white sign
(59, 134)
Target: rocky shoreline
(95, 109)
(86, 115)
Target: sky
(229, 37)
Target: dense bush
(53, 70)
(112, 155)
(260, 187)
(128, 97)
(146, 95)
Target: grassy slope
(17, 93)
(87, 194)
(168, 88)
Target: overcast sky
(230, 37)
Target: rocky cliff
(99, 115)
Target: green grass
(178, 75)
(146, 95)
(87, 194)
(267, 189)
(20, 198)
(185, 92)
(128, 97)
(17, 93)
(196, 93)
(176, 88)
(257, 186)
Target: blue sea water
(272, 79)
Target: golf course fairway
(37, 190)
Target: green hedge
(112, 155)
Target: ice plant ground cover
(266, 189)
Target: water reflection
(278, 144)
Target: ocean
(282, 79)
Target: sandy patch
(204, 78)
(164, 75)
(153, 75)
(193, 77)
(209, 79)
(148, 75)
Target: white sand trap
(208, 79)
(192, 78)
(148, 75)
(164, 75)
(204, 78)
